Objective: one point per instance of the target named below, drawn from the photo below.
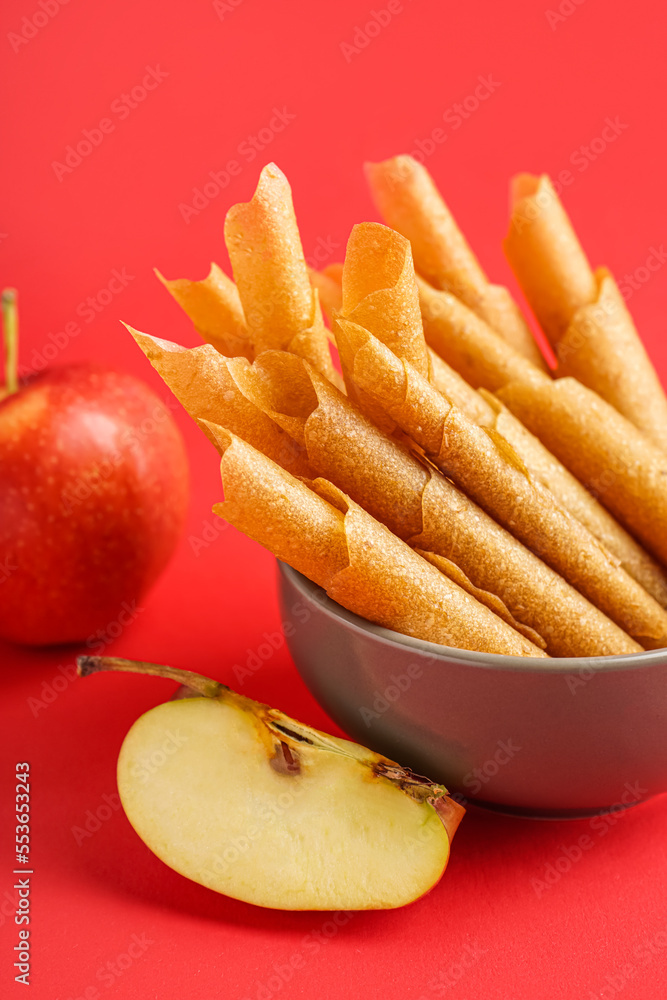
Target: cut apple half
(239, 797)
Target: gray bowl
(557, 738)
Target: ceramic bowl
(546, 738)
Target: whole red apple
(93, 496)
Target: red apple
(93, 496)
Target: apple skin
(93, 498)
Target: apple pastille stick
(391, 314)
(281, 308)
(488, 363)
(443, 377)
(408, 200)
(204, 382)
(603, 449)
(427, 511)
(581, 312)
(488, 470)
(379, 289)
(214, 307)
(362, 566)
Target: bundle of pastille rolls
(449, 486)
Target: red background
(485, 925)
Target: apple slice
(242, 799)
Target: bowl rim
(488, 661)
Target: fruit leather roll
(426, 510)
(215, 309)
(488, 470)
(281, 308)
(618, 463)
(409, 201)
(486, 362)
(204, 382)
(357, 560)
(581, 312)
(443, 376)
(379, 291)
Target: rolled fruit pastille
(487, 469)
(204, 382)
(443, 377)
(486, 362)
(582, 312)
(379, 291)
(409, 201)
(359, 562)
(281, 308)
(426, 510)
(603, 449)
(215, 309)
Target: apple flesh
(239, 797)
(93, 496)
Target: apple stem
(87, 665)
(10, 326)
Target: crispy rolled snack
(359, 562)
(426, 510)
(408, 200)
(280, 306)
(488, 470)
(369, 258)
(602, 349)
(545, 468)
(215, 309)
(487, 362)
(617, 463)
(443, 377)
(546, 255)
(469, 344)
(205, 383)
(582, 313)
(379, 292)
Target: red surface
(485, 931)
